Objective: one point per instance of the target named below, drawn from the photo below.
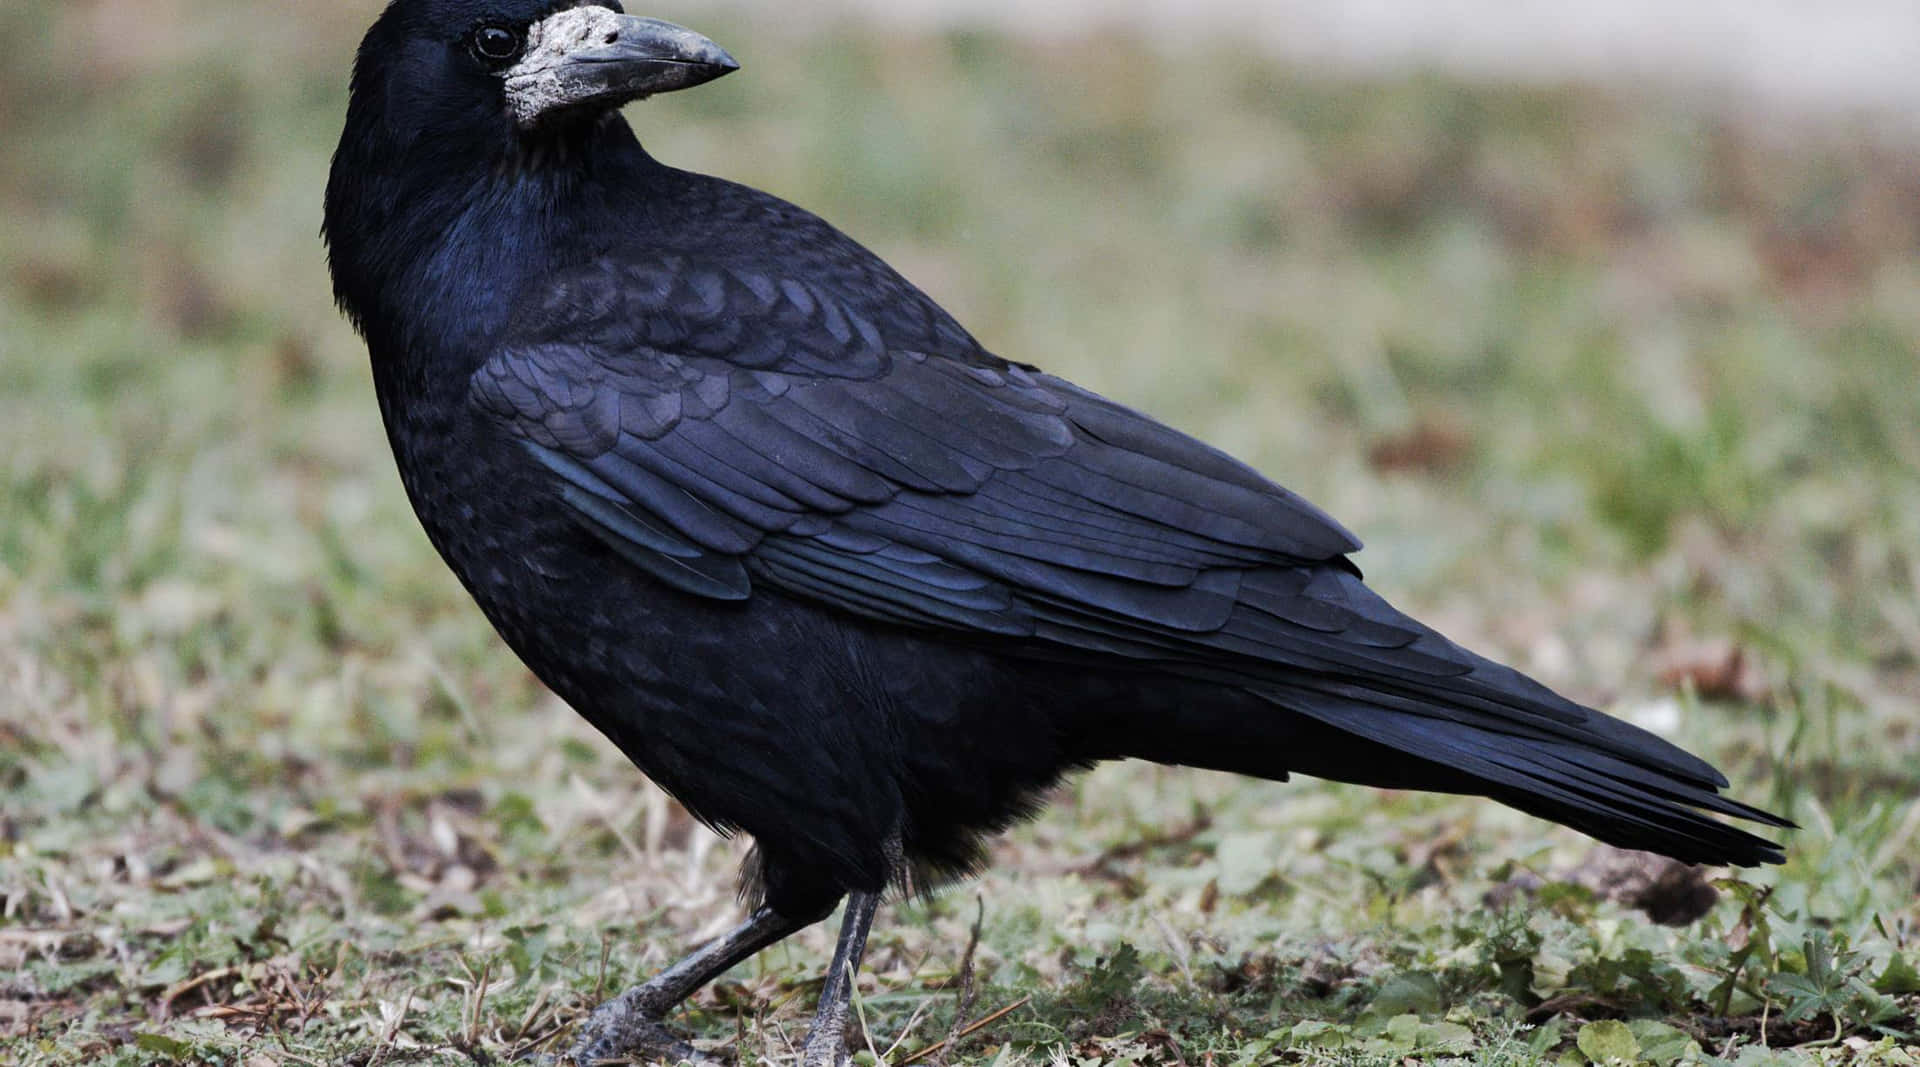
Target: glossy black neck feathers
(438, 209)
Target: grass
(1620, 391)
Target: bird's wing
(726, 430)
(723, 428)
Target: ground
(1616, 389)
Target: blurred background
(1599, 326)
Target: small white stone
(1661, 716)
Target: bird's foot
(827, 1041)
(826, 1049)
(627, 1029)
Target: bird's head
(460, 66)
(488, 105)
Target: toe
(621, 1032)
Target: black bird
(825, 568)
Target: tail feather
(1615, 799)
(1378, 698)
(1473, 692)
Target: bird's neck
(432, 244)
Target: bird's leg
(631, 1022)
(827, 1041)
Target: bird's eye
(495, 44)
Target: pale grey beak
(593, 58)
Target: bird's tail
(1377, 698)
(1648, 803)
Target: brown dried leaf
(1716, 669)
(1430, 447)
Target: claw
(619, 1032)
(630, 1028)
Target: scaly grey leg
(827, 1041)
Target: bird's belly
(790, 721)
